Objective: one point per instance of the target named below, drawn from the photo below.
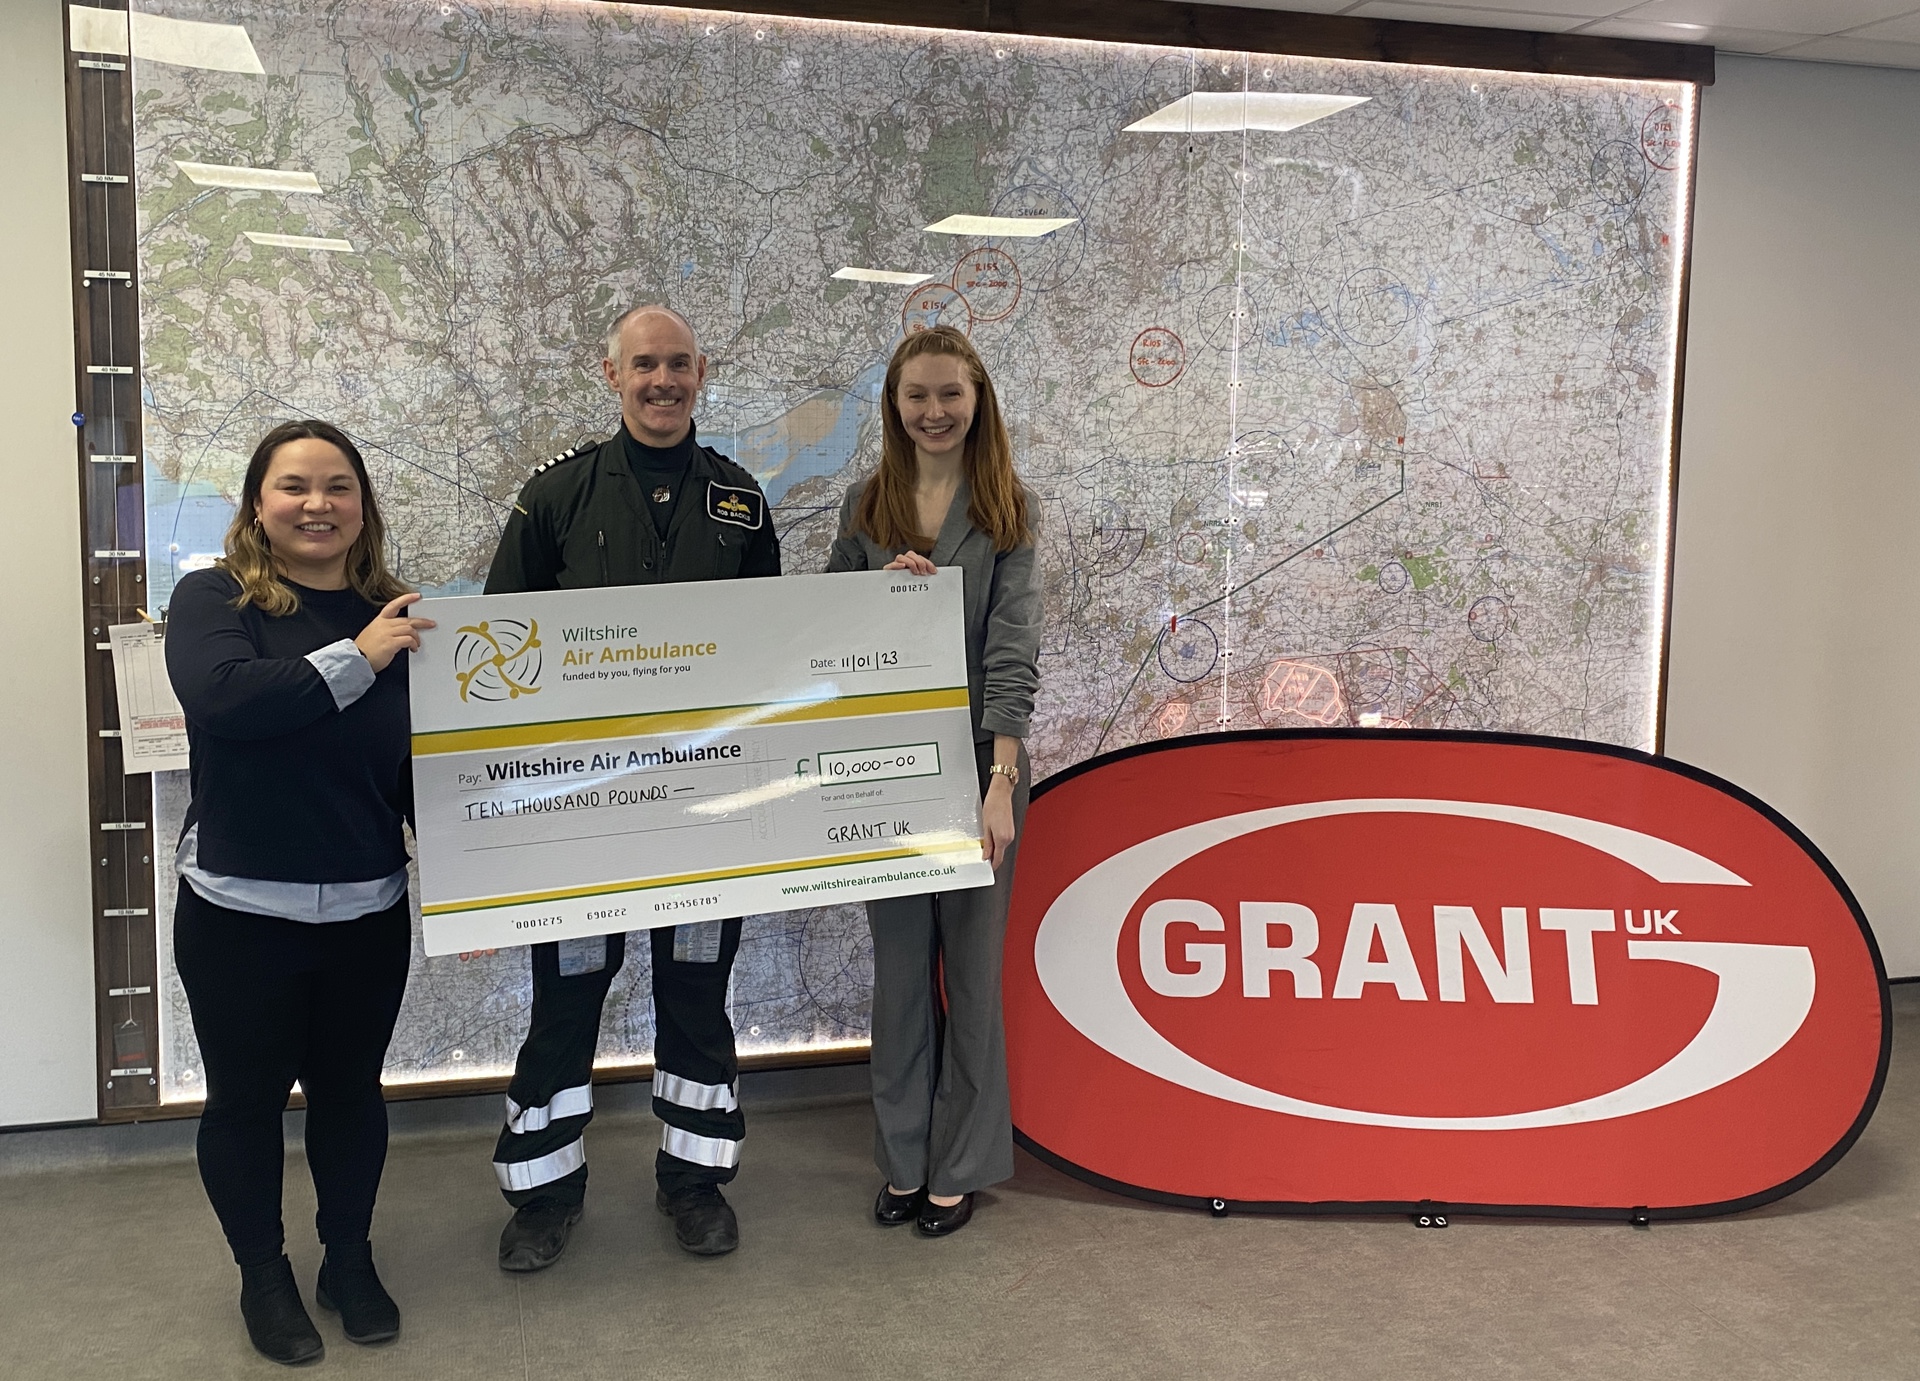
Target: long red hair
(998, 502)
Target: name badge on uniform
(741, 507)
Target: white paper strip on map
(261, 237)
(188, 43)
(905, 280)
(250, 179)
(91, 30)
(1019, 227)
(1223, 112)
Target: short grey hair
(613, 327)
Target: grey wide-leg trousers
(940, 1105)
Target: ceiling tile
(1779, 16)
(1905, 29)
(1455, 14)
(1857, 50)
(1731, 40)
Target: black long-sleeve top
(286, 787)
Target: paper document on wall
(153, 727)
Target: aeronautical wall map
(1339, 411)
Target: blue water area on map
(186, 529)
(815, 438)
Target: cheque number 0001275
(912, 589)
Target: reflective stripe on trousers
(531, 1174)
(700, 1097)
(569, 1102)
(714, 1151)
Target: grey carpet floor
(118, 1270)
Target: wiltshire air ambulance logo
(498, 659)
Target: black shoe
(348, 1283)
(938, 1220)
(890, 1210)
(536, 1235)
(276, 1319)
(703, 1220)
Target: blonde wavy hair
(997, 504)
(249, 557)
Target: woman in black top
(291, 929)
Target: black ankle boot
(348, 1283)
(276, 1319)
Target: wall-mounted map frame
(1251, 373)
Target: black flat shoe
(536, 1235)
(277, 1321)
(940, 1220)
(890, 1210)
(703, 1221)
(349, 1284)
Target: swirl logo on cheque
(498, 659)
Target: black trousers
(274, 1001)
(540, 1154)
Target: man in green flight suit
(646, 506)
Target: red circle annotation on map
(1660, 136)
(936, 304)
(1158, 357)
(990, 281)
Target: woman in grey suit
(946, 495)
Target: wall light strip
(1682, 234)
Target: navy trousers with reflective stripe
(550, 1101)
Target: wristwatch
(1010, 771)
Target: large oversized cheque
(589, 761)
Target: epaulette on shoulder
(732, 468)
(579, 449)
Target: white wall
(1795, 668)
(46, 942)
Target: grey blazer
(1002, 608)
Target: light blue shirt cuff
(346, 672)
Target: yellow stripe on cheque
(685, 721)
(606, 889)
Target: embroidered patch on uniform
(741, 507)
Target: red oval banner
(1329, 971)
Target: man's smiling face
(657, 372)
